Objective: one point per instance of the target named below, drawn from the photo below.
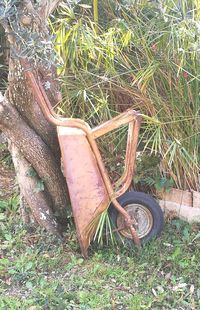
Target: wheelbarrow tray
(88, 194)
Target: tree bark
(34, 140)
(35, 151)
(36, 200)
(20, 95)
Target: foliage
(37, 272)
(10, 206)
(146, 56)
(104, 230)
(148, 173)
(30, 43)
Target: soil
(7, 174)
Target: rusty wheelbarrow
(136, 216)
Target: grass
(144, 56)
(38, 272)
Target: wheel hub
(142, 216)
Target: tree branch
(29, 6)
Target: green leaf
(4, 261)
(176, 253)
(2, 217)
(3, 204)
(29, 284)
(31, 172)
(39, 186)
(80, 261)
(29, 266)
(8, 237)
(12, 271)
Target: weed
(38, 272)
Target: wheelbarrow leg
(130, 223)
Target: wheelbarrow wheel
(145, 210)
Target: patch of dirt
(7, 183)
(7, 173)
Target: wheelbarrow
(136, 216)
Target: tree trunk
(37, 200)
(34, 141)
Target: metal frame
(130, 117)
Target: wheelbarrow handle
(122, 119)
(124, 182)
(133, 118)
(45, 104)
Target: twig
(28, 4)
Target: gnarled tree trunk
(34, 141)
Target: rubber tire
(146, 201)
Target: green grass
(38, 272)
(145, 55)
